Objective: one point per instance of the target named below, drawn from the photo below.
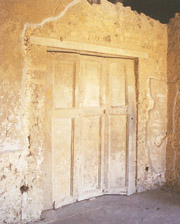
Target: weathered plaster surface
(23, 76)
(173, 149)
(156, 127)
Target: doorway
(91, 122)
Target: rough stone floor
(153, 207)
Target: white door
(92, 126)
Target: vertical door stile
(106, 126)
(52, 142)
(74, 106)
(80, 126)
(48, 158)
(131, 163)
(72, 160)
(103, 125)
(77, 131)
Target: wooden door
(92, 102)
(92, 152)
(120, 127)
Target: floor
(152, 207)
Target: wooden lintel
(72, 46)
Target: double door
(92, 125)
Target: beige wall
(23, 94)
(173, 150)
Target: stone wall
(173, 146)
(23, 94)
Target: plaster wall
(23, 90)
(173, 150)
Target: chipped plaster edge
(23, 80)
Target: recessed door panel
(64, 83)
(62, 159)
(90, 147)
(91, 73)
(117, 153)
(116, 84)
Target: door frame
(54, 45)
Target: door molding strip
(78, 47)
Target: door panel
(117, 154)
(116, 83)
(89, 126)
(64, 82)
(62, 152)
(90, 153)
(91, 78)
